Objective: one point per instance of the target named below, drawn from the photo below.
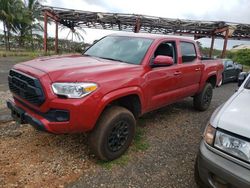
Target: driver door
(163, 82)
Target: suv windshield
(247, 85)
(119, 48)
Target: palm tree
(75, 32)
(33, 13)
(11, 12)
(6, 17)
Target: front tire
(203, 99)
(113, 133)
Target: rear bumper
(217, 171)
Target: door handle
(197, 69)
(177, 73)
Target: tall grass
(31, 54)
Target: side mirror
(241, 78)
(162, 60)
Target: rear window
(188, 52)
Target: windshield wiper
(112, 59)
(87, 55)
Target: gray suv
(223, 159)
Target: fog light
(61, 115)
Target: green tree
(74, 33)
(240, 56)
(31, 21)
(10, 15)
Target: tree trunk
(32, 42)
(5, 35)
(8, 36)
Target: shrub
(240, 56)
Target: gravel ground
(29, 158)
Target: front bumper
(82, 114)
(48, 122)
(21, 116)
(217, 171)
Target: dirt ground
(163, 154)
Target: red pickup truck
(104, 91)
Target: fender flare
(116, 94)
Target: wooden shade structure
(147, 24)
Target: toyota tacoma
(104, 90)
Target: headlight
(73, 90)
(233, 145)
(209, 134)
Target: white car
(223, 159)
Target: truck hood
(75, 68)
(234, 116)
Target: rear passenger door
(190, 69)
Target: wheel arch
(212, 79)
(129, 98)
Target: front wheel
(113, 133)
(203, 99)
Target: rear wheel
(113, 133)
(203, 99)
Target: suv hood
(234, 116)
(75, 68)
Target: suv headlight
(233, 145)
(74, 90)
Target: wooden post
(45, 47)
(137, 25)
(212, 46)
(56, 38)
(223, 54)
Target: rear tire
(113, 133)
(203, 99)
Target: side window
(167, 49)
(229, 64)
(188, 52)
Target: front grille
(26, 87)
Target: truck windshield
(120, 48)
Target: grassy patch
(122, 161)
(31, 54)
(139, 144)
(246, 68)
(15, 59)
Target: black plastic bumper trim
(22, 117)
(50, 115)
